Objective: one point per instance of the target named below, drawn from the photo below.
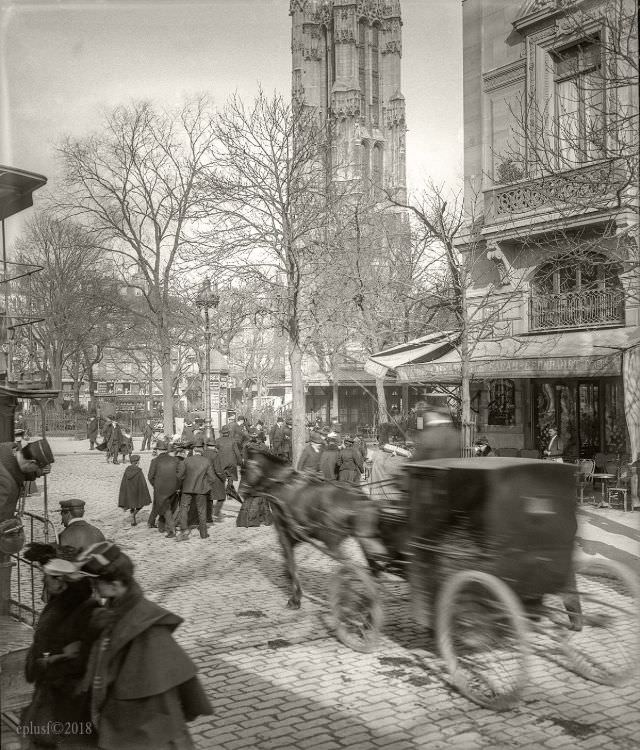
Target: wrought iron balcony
(596, 308)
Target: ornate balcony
(573, 310)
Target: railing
(589, 309)
(572, 191)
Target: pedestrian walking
(143, 686)
(218, 492)
(166, 473)
(147, 436)
(196, 485)
(255, 511)
(57, 659)
(329, 459)
(279, 439)
(350, 463)
(92, 431)
(438, 439)
(77, 532)
(126, 446)
(114, 442)
(134, 493)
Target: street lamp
(207, 299)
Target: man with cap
(77, 532)
(114, 442)
(92, 431)
(196, 485)
(350, 463)
(17, 466)
(166, 473)
(239, 433)
(143, 686)
(217, 494)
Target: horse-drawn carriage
(487, 548)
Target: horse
(311, 509)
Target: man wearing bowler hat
(77, 532)
(17, 466)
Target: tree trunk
(167, 382)
(465, 390)
(92, 388)
(297, 394)
(383, 415)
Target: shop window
(502, 402)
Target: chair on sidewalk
(584, 478)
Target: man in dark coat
(350, 463)
(310, 457)
(147, 436)
(77, 532)
(134, 493)
(239, 432)
(230, 459)
(166, 473)
(217, 494)
(329, 459)
(92, 431)
(144, 687)
(280, 439)
(114, 442)
(17, 466)
(196, 485)
(438, 439)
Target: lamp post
(207, 299)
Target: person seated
(482, 448)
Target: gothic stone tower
(346, 64)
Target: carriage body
(510, 517)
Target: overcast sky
(62, 61)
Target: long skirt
(255, 511)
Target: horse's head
(260, 470)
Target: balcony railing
(571, 310)
(571, 192)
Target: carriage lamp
(207, 299)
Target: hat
(315, 437)
(38, 451)
(18, 432)
(198, 442)
(71, 504)
(162, 445)
(96, 558)
(224, 430)
(347, 438)
(134, 458)
(64, 569)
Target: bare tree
(273, 206)
(136, 185)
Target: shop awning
(16, 190)
(570, 354)
(417, 351)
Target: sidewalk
(614, 534)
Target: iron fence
(567, 310)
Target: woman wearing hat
(57, 659)
(255, 511)
(310, 457)
(350, 464)
(144, 688)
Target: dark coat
(230, 456)
(280, 441)
(350, 465)
(329, 463)
(134, 492)
(437, 441)
(218, 491)
(165, 475)
(11, 481)
(309, 459)
(80, 534)
(64, 620)
(187, 434)
(198, 475)
(145, 686)
(115, 438)
(92, 428)
(147, 431)
(239, 435)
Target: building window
(502, 403)
(579, 103)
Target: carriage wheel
(604, 645)
(356, 609)
(482, 636)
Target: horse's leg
(288, 549)
(367, 533)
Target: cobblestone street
(280, 679)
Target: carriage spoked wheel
(602, 642)
(355, 607)
(482, 636)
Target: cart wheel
(482, 636)
(603, 643)
(356, 609)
